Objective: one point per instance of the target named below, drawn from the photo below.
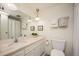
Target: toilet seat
(56, 52)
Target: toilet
(58, 48)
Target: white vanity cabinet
(34, 49)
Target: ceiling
(25, 9)
(33, 6)
(30, 8)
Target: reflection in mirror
(3, 26)
(10, 27)
(14, 28)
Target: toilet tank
(58, 44)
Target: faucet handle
(24, 35)
(16, 40)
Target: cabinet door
(31, 53)
(37, 51)
(42, 48)
(34, 52)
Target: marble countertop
(8, 46)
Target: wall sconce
(29, 20)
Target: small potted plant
(34, 34)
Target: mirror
(10, 26)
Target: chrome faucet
(16, 40)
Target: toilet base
(56, 52)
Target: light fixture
(29, 20)
(10, 6)
(37, 16)
(1, 7)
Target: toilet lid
(56, 52)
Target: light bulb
(29, 20)
(37, 18)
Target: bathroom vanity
(33, 46)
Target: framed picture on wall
(32, 28)
(40, 28)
